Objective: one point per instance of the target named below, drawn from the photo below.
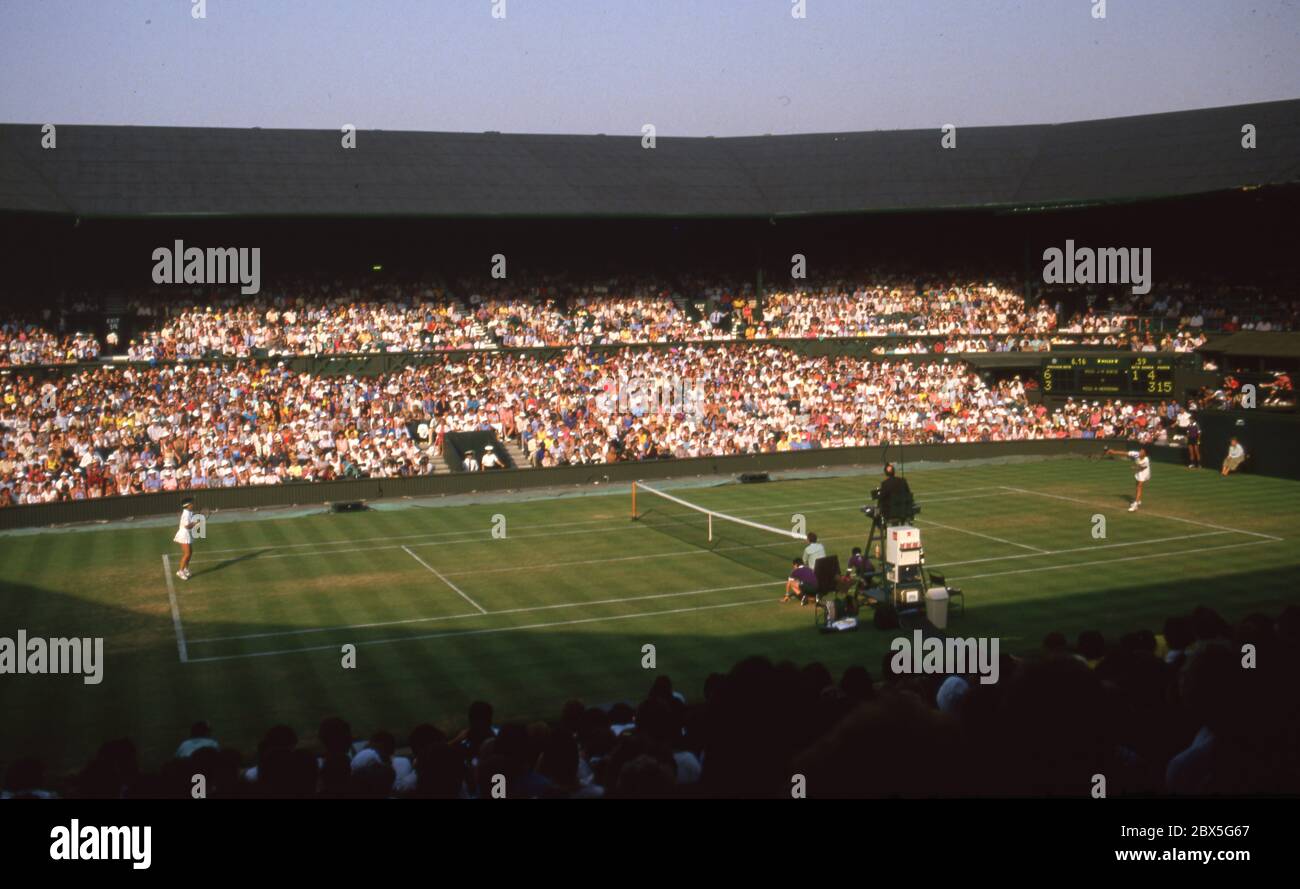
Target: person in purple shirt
(860, 568)
(859, 564)
(802, 583)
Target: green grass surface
(575, 590)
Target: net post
(634, 501)
(710, 527)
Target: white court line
(978, 534)
(1180, 552)
(422, 535)
(808, 496)
(858, 502)
(782, 507)
(482, 538)
(485, 631)
(1217, 530)
(697, 551)
(631, 526)
(521, 610)
(176, 608)
(1157, 515)
(673, 611)
(458, 590)
(528, 537)
(414, 620)
(479, 535)
(1078, 549)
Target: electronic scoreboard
(1135, 375)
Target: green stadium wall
(1270, 439)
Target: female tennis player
(185, 537)
(1141, 474)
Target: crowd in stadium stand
(129, 430)
(955, 310)
(318, 320)
(30, 343)
(1271, 390)
(1159, 423)
(592, 321)
(1167, 714)
(1192, 308)
(299, 328)
(309, 317)
(1225, 307)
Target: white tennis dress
(1142, 465)
(183, 533)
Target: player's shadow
(226, 563)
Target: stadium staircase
(517, 455)
(684, 303)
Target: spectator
(1236, 456)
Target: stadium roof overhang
(1256, 344)
(141, 172)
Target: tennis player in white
(184, 536)
(1141, 474)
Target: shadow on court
(226, 563)
(271, 671)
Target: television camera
(901, 580)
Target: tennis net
(755, 545)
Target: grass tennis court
(443, 613)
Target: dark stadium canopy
(100, 171)
(1256, 344)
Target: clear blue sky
(691, 67)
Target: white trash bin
(936, 607)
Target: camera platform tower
(901, 580)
